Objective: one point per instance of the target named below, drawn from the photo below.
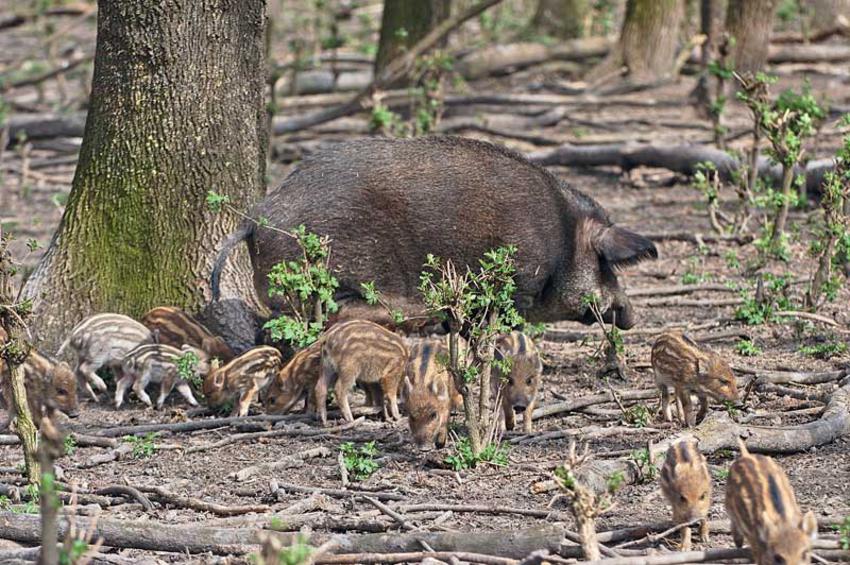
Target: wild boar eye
(779, 560)
(682, 498)
(528, 381)
(62, 391)
(702, 497)
(433, 416)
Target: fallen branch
(251, 436)
(182, 427)
(693, 303)
(677, 290)
(286, 463)
(699, 238)
(416, 557)
(564, 336)
(683, 159)
(183, 501)
(149, 535)
(579, 403)
(677, 558)
(47, 75)
(128, 491)
(584, 434)
(340, 493)
(496, 59)
(810, 53)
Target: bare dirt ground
(649, 201)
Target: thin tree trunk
(648, 41)
(564, 19)
(404, 23)
(749, 23)
(782, 213)
(177, 109)
(14, 349)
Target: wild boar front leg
(245, 399)
(186, 392)
(389, 390)
(703, 530)
(341, 392)
(703, 407)
(686, 543)
(120, 389)
(510, 416)
(527, 417)
(687, 409)
(165, 388)
(321, 393)
(139, 388)
(666, 409)
(87, 369)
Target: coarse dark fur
(385, 204)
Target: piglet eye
(703, 496)
(528, 381)
(433, 416)
(682, 498)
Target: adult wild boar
(387, 203)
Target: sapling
(481, 305)
(585, 504)
(831, 243)
(786, 122)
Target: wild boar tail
(242, 233)
(64, 346)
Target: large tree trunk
(749, 23)
(177, 110)
(564, 19)
(404, 23)
(826, 14)
(648, 41)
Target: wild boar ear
(439, 390)
(809, 525)
(622, 247)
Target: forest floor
(648, 200)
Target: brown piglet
(520, 386)
(49, 384)
(764, 512)
(679, 362)
(158, 363)
(103, 340)
(176, 328)
(686, 484)
(295, 381)
(241, 379)
(429, 393)
(361, 352)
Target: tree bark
(749, 23)
(564, 19)
(648, 41)
(177, 109)
(404, 23)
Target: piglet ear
(809, 525)
(622, 247)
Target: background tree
(749, 24)
(176, 110)
(564, 19)
(648, 41)
(826, 14)
(404, 23)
